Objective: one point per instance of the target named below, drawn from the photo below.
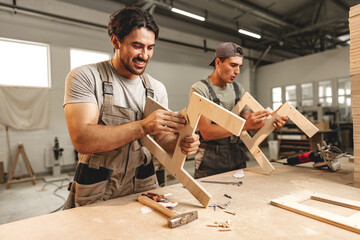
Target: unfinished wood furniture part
(21, 150)
(293, 203)
(252, 143)
(354, 25)
(198, 106)
(121, 218)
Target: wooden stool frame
(252, 143)
(198, 106)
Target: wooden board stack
(354, 24)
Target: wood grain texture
(292, 203)
(354, 26)
(151, 203)
(121, 218)
(252, 143)
(198, 106)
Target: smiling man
(219, 150)
(103, 108)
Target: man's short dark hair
(125, 20)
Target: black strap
(146, 82)
(104, 71)
(237, 92)
(216, 99)
(212, 93)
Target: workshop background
(302, 57)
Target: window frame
(89, 51)
(48, 61)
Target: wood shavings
(145, 210)
(169, 204)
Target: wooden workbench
(255, 218)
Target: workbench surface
(255, 218)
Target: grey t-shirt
(226, 95)
(83, 84)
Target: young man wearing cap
(219, 150)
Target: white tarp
(24, 108)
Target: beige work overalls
(122, 171)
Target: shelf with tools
(292, 141)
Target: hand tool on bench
(220, 182)
(156, 197)
(174, 220)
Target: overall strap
(146, 82)
(237, 92)
(212, 93)
(107, 86)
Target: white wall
(327, 65)
(176, 66)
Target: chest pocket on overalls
(133, 160)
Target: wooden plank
(291, 203)
(198, 106)
(354, 11)
(296, 117)
(257, 153)
(354, 26)
(252, 143)
(336, 201)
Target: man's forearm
(214, 131)
(167, 141)
(101, 138)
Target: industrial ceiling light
(254, 35)
(179, 11)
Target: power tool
(325, 156)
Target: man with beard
(103, 108)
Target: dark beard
(129, 69)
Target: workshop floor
(25, 200)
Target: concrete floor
(25, 200)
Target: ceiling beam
(314, 27)
(341, 4)
(256, 11)
(317, 12)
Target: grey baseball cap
(227, 49)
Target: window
(276, 97)
(290, 95)
(81, 57)
(344, 98)
(24, 63)
(307, 94)
(325, 93)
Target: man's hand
(256, 120)
(281, 121)
(162, 120)
(189, 145)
